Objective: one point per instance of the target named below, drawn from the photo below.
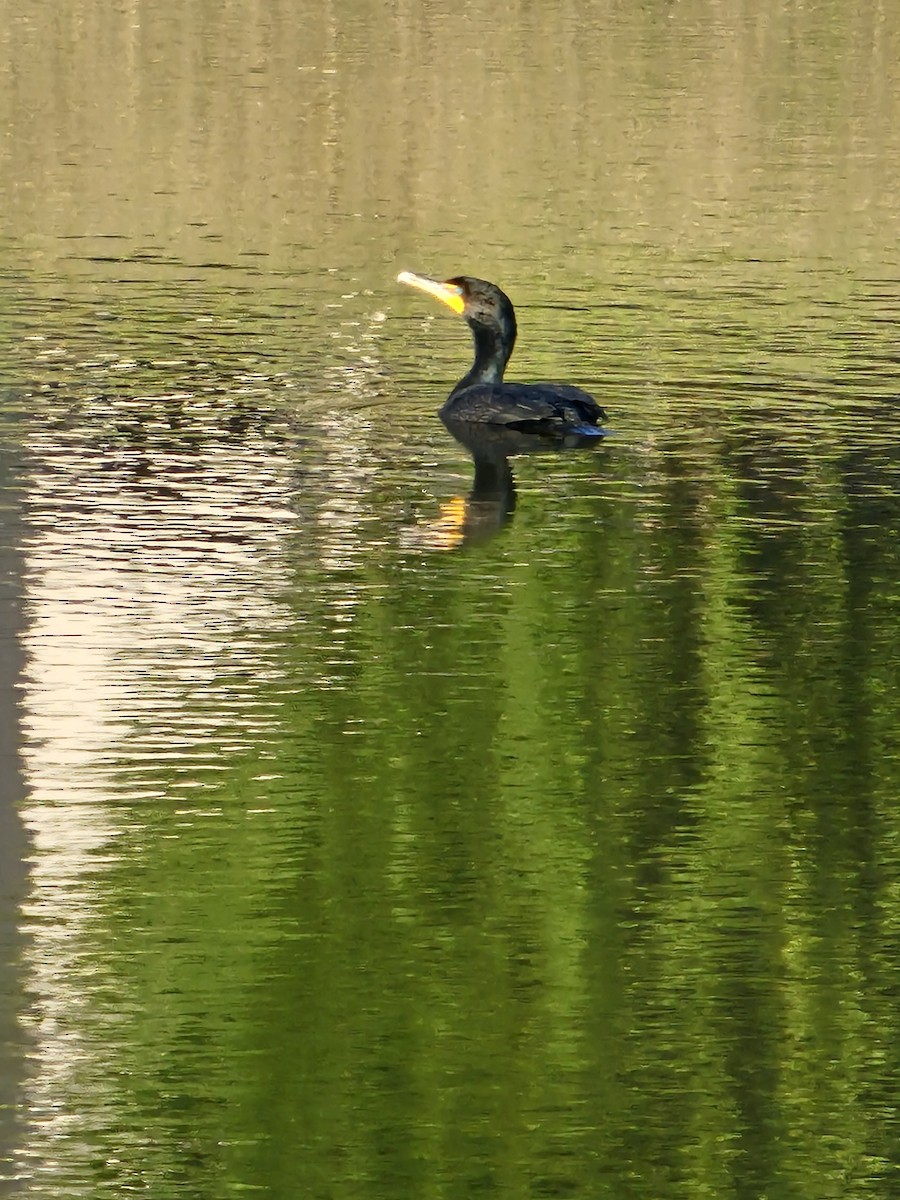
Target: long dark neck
(493, 346)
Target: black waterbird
(481, 396)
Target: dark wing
(523, 404)
(574, 398)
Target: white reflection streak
(136, 604)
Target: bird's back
(554, 405)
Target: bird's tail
(589, 430)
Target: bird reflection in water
(468, 520)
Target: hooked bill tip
(448, 293)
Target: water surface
(367, 837)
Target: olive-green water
(361, 838)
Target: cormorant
(554, 409)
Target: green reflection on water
(539, 889)
(561, 864)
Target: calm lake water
(374, 824)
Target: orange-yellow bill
(447, 293)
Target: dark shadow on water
(490, 505)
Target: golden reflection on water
(342, 135)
